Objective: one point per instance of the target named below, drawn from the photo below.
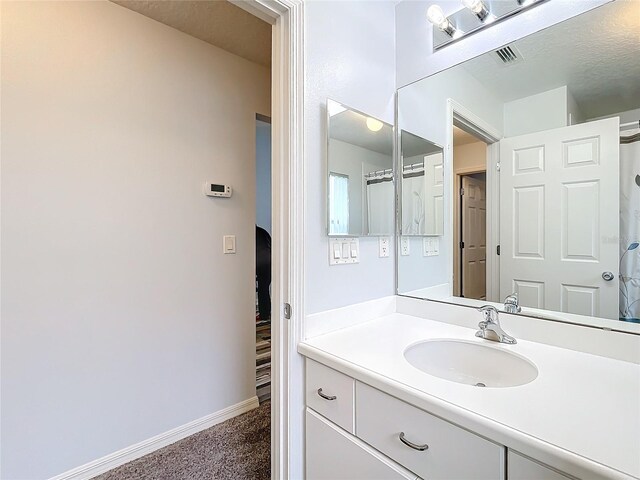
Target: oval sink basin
(471, 363)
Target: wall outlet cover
(383, 247)
(405, 246)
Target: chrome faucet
(490, 328)
(511, 304)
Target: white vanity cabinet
(353, 432)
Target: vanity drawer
(331, 394)
(452, 453)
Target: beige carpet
(239, 448)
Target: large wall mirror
(360, 190)
(540, 174)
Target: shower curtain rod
(625, 126)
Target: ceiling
(217, 22)
(351, 127)
(596, 54)
(460, 137)
(413, 145)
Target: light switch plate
(405, 246)
(229, 244)
(343, 251)
(430, 246)
(383, 247)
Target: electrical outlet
(405, 246)
(383, 247)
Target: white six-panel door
(559, 218)
(434, 194)
(474, 238)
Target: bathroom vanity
(370, 413)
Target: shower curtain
(630, 226)
(380, 207)
(413, 205)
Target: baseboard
(101, 465)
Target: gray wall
(121, 317)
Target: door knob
(608, 276)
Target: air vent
(508, 55)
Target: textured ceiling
(351, 127)
(217, 22)
(596, 54)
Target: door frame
(288, 203)
(461, 116)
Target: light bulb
(436, 16)
(373, 124)
(474, 5)
(477, 7)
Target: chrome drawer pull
(422, 448)
(325, 396)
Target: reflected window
(338, 203)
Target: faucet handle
(489, 313)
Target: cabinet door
(521, 468)
(333, 454)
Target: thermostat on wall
(217, 190)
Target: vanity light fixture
(474, 17)
(373, 124)
(436, 16)
(478, 7)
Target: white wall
(535, 113)
(416, 59)
(350, 58)
(116, 322)
(263, 175)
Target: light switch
(229, 244)
(343, 250)
(430, 246)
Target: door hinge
(498, 166)
(461, 191)
(287, 311)
(461, 244)
(498, 250)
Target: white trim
(493, 222)
(133, 452)
(288, 204)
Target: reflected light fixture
(373, 124)
(478, 7)
(525, 3)
(436, 16)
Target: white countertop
(580, 415)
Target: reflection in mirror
(422, 186)
(360, 173)
(541, 187)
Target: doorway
(470, 215)
(263, 258)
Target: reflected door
(434, 194)
(474, 238)
(559, 218)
